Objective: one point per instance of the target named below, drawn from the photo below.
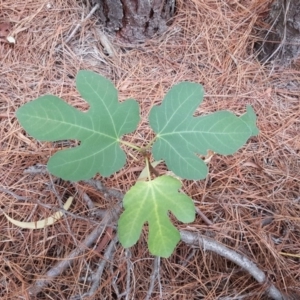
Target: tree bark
(136, 20)
(282, 39)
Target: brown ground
(209, 42)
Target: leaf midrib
(72, 125)
(88, 156)
(195, 131)
(104, 104)
(178, 108)
(179, 155)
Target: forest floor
(251, 198)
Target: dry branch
(241, 260)
(102, 37)
(79, 24)
(154, 276)
(98, 274)
(129, 264)
(17, 197)
(67, 262)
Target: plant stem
(148, 168)
(150, 143)
(142, 150)
(131, 145)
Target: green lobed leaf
(180, 136)
(49, 118)
(150, 202)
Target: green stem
(131, 145)
(150, 143)
(148, 168)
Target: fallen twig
(126, 294)
(102, 188)
(36, 170)
(154, 276)
(42, 169)
(102, 37)
(98, 275)
(242, 261)
(90, 204)
(129, 267)
(6, 191)
(79, 24)
(67, 262)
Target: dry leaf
(42, 223)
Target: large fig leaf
(49, 118)
(151, 202)
(180, 136)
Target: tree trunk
(282, 40)
(136, 20)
